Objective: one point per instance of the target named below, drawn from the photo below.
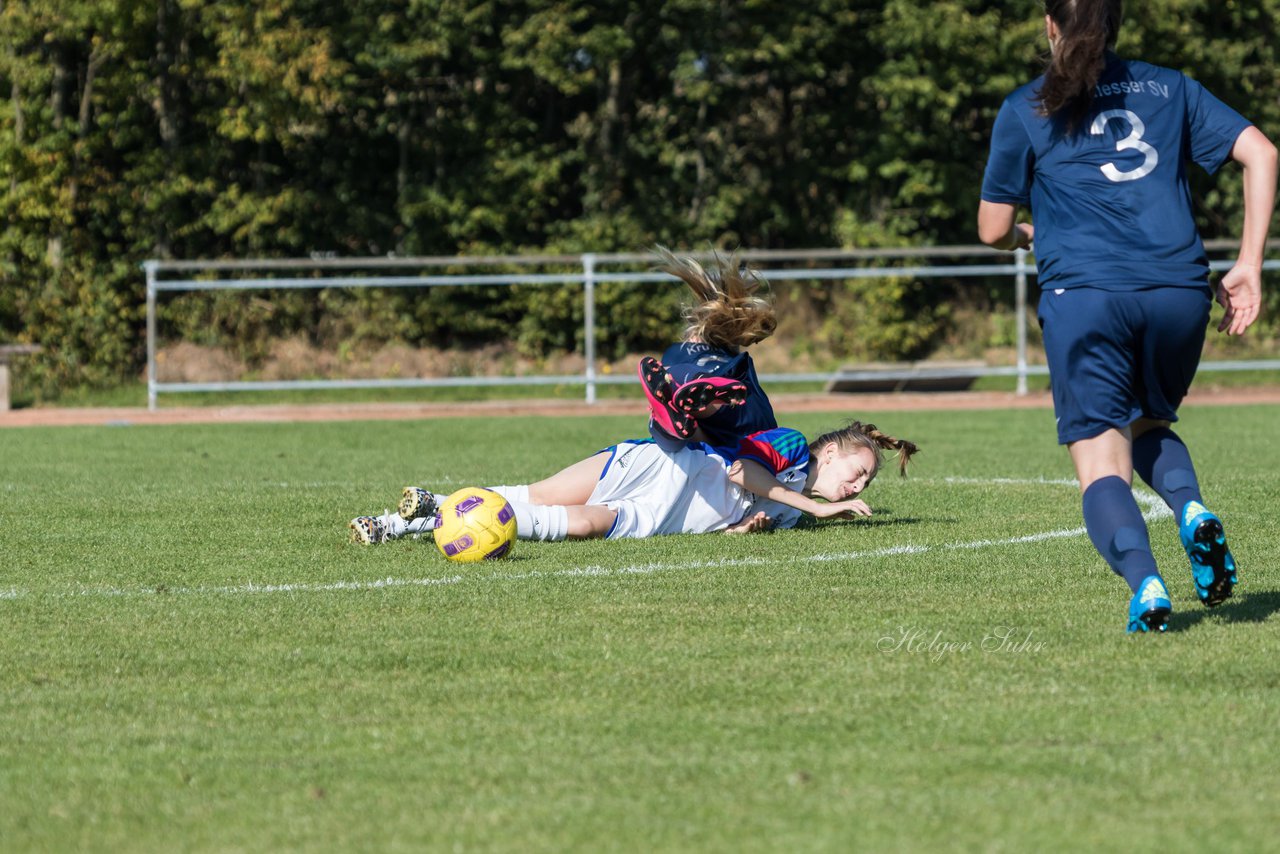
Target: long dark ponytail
(1086, 29)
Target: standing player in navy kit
(1098, 148)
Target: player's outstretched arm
(998, 227)
(1240, 291)
(758, 480)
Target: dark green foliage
(282, 128)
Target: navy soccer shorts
(724, 429)
(1117, 356)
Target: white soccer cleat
(368, 530)
(417, 503)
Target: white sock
(546, 522)
(398, 527)
(418, 527)
(394, 524)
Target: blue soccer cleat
(1149, 609)
(1213, 569)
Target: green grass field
(195, 658)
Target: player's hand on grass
(1240, 293)
(759, 522)
(843, 509)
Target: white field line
(243, 589)
(1154, 509)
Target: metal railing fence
(377, 272)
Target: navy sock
(682, 373)
(1164, 463)
(664, 440)
(1118, 531)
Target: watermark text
(934, 645)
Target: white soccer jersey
(688, 491)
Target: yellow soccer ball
(475, 524)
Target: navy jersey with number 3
(1110, 203)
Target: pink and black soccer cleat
(696, 395)
(659, 392)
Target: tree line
(135, 129)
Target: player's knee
(590, 522)
(1143, 425)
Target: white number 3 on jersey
(1133, 140)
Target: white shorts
(668, 492)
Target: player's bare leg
(571, 485)
(590, 521)
(1104, 465)
(1109, 454)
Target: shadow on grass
(1244, 608)
(809, 523)
(876, 521)
(889, 523)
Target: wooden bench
(906, 376)
(8, 352)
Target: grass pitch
(195, 658)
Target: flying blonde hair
(728, 314)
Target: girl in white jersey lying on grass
(663, 485)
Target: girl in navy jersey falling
(1098, 148)
(705, 386)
